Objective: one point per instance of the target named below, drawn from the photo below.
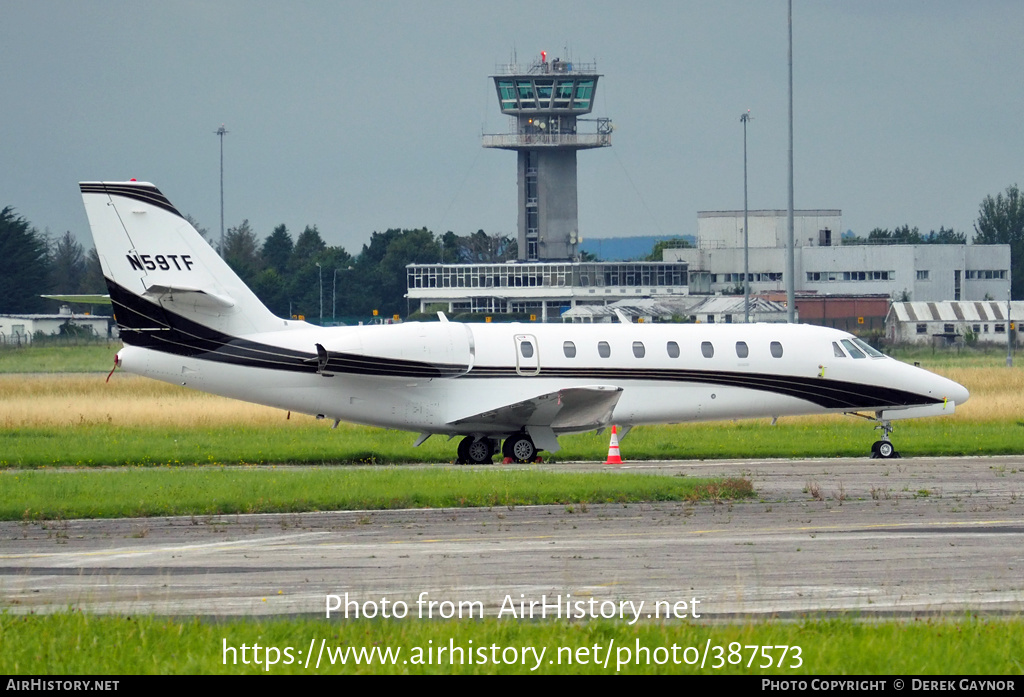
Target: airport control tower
(546, 100)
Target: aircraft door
(527, 354)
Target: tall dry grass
(59, 400)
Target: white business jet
(186, 318)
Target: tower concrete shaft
(545, 101)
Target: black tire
(479, 451)
(886, 450)
(463, 449)
(520, 448)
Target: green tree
(1001, 221)
(94, 281)
(277, 249)
(657, 252)
(67, 265)
(242, 252)
(24, 268)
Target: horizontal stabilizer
(568, 409)
(167, 293)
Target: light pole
(790, 252)
(320, 270)
(746, 228)
(221, 132)
(1009, 332)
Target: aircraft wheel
(874, 448)
(520, 448)
(479, 451)
(886, 450)
(463, 451)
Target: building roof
(956, 311)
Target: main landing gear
(476, 451)
(518, 447)
(884, 448)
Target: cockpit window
(837, 351)
(868, 349)
(852, 348)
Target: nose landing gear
(884, 448)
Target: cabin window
(526, 348)
(852, 348)
(741, 349)
(707, 349)
(638, 349)
(673, 349)
(569, 349)
(836, 351)
(603, 349)
(776, 349)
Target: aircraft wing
(568, 409)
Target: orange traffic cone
(613, 450)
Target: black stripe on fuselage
(148, 325)
(147, 193)
(828, 394)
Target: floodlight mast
(746, 229)
(221, 132)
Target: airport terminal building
(922, 272)
(543, 289)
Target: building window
(673, 349)
(603, 349)
(569, 349)
(707, 349)
(922, 275)
(741, 349)
(1000, 329)
(948, 329)
(776, 349)
(922, 328)
(638, 349)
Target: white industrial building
(924, 272)
(946, 323)
(19, 329)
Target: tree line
(293, 276)
(305, 276)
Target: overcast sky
(358, 116)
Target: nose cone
(946, 389)
(959, 393)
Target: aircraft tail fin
(161, 273)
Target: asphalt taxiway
(916, 535)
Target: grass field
(80, 420)
(75, 643)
